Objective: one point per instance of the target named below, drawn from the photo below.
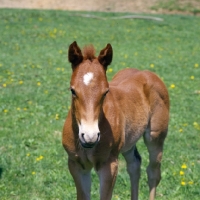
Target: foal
(106, 119)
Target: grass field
(34, 98)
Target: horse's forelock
(89, 52)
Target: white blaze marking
(87, 78)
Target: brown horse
(106, 119)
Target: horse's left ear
(105, 56)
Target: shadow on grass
(1, 172)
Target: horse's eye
(73, 92)
(106, 93)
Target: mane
(89, 52)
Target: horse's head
(89, 87)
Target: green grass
(188, 6)
(34, 98)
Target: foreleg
(107, 175)
(82, 180)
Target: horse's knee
(154, 174)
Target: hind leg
(133, 161)
(154, 141)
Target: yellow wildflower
(192, 77)
(172, 86)
(21, 82)
(55, 30)
(184, 166)
(183, 183)
(182, 173)
(191, 182)
(4, 85)
(152, 65)
(110, 70)
(57, 117)
(38, 83)
(33, 173)
(41, 157)
(196, 65)
(195, 124)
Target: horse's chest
(88, 158)
(81, 158)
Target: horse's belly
(131, 137)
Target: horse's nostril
(83, 136)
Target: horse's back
(145, 81)
(123, 75)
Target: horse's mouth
(88, 145)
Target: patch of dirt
(136, 6)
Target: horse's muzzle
(89, 145)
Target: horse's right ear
(75, 56)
